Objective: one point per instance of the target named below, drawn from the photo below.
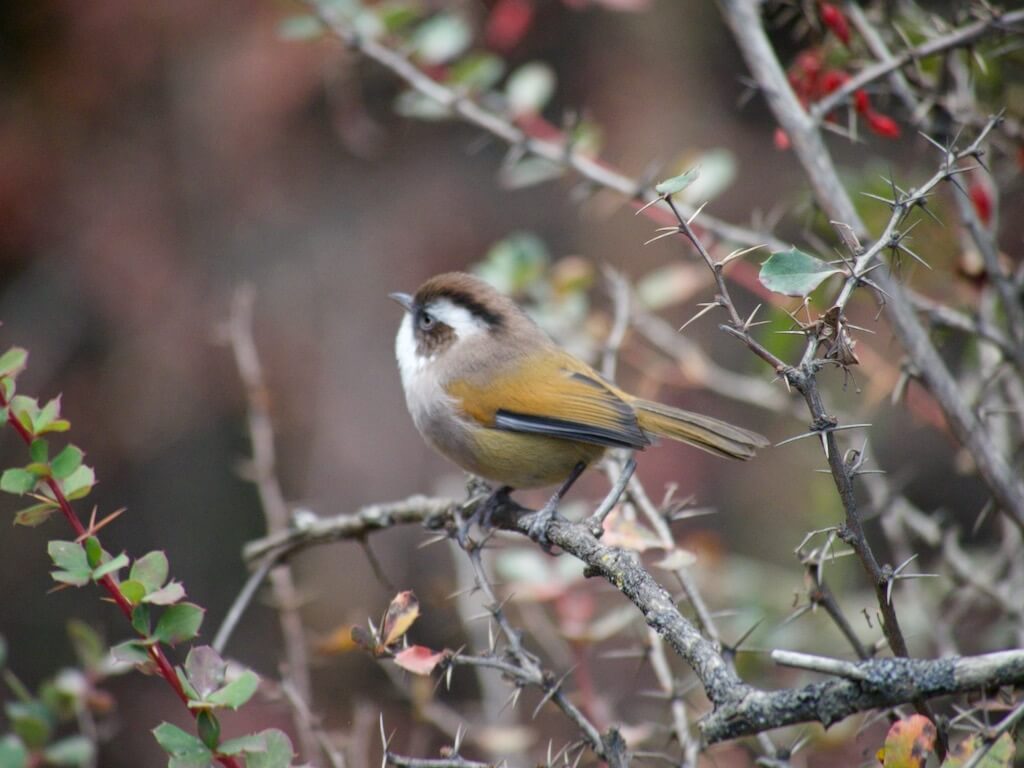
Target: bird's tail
(711, 435)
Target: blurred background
(156, 156)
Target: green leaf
(47, 415)
(999, 755)
(78, 483)
(72, 751)
(133, 590)
(208, 728)
(35, 515)
(93, 551)
(151, 569)
(179, 623)
(394, 17)
(267, 749)
(277, 752)
(477, 72)
(441, 38)
(66, 462)
(140, 619)
(57, 425)
(252, 742)
(237, 692)
(515, 263)
(179, 743)
(205, 670)
(530, 88)
(301, 27)
(130, 652)
(30, 720)
(70, 559)
(25, 410)
(677, 184)
(111, 566)
(169, 594)
(89, 646)
(17, 481)
(12, 362)
(39, 450)
(13, 753)
(794, 273)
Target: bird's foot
(483, 514)
(538, 522)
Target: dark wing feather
(570, 430)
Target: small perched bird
(493, 393)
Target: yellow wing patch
(557, 396)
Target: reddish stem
(155, 651)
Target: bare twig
(275, 509)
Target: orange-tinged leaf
(418, 659)
(909, 742)
(999, 755)
(339, 641)
(403, 611)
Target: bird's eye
(425, 321)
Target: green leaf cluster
(270, 748)
(36, 718)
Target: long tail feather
(711, 435)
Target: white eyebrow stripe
(457, 317)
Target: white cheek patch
(459, 319)
(462, 322)
(409, 362)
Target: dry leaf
(402, 613)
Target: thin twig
(275, 509)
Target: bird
(493, 393)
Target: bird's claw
(483, 514)
(537, 526)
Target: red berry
(834, 19)
(883, 125)
(781, 140)
(507, 23)
(861, 102)
(832, 80)
(982, 200)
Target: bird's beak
(402, 298)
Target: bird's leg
(596, 521)
(538, 521)
(484, 512)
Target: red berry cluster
(811, 80)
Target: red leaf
(834, 19)
(883, 125)
(418, 659)
(781, 140)
(507, 23)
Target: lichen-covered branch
(739, 708)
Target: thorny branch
(739, 708)
(744, 19)
(958, 38)
(832, 700)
